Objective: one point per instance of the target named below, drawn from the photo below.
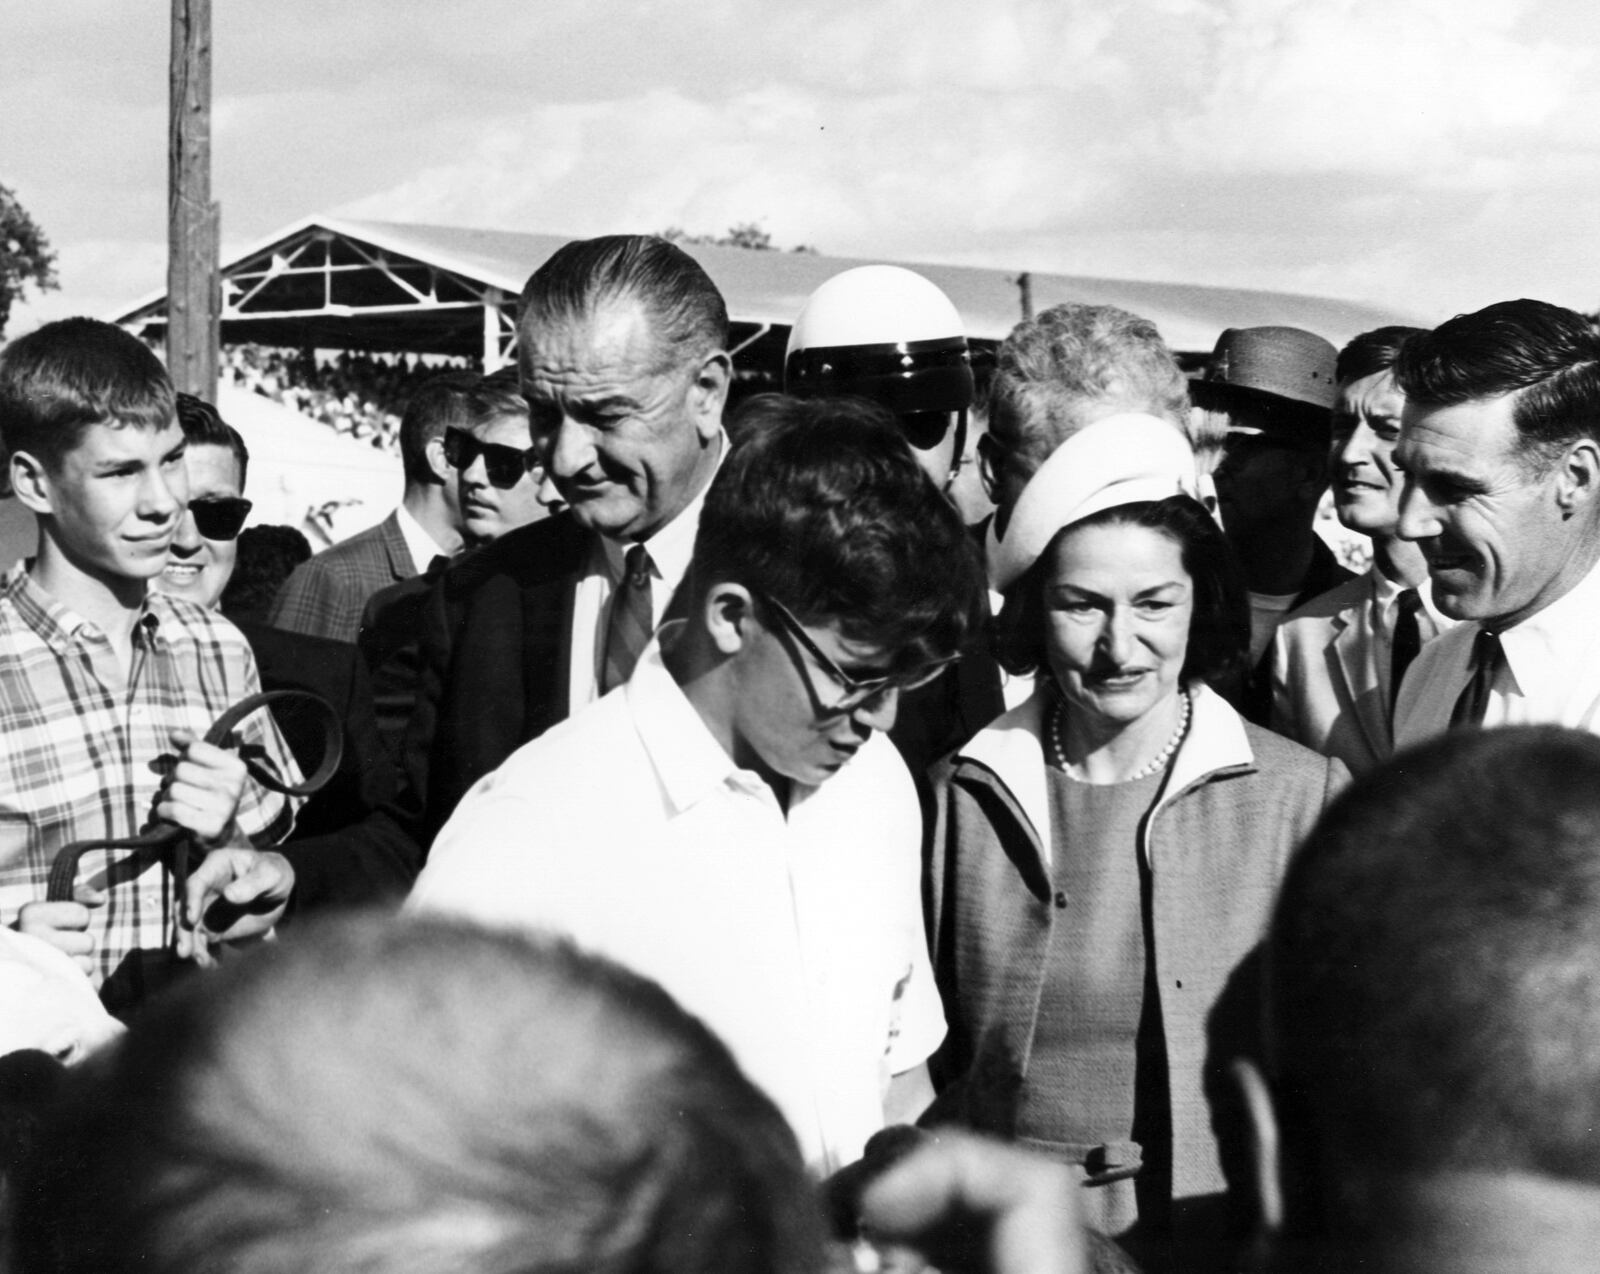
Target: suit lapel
(1354, 656)
(394, 543)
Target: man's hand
(973, 1206)
(202, 792)
(64, 925)
(232, 894)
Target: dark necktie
(1405, 642)
(1474, 699)
(628, 630)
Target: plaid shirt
(80, 741)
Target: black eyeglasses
(504, 465)
(220, 517)
(859, 693)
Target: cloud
(1424, 152)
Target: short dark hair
(823, 506)
(1372, 352)
(497, 395)
(1549, 357)
(1219, 628)
(204, 426)
(58, 381)
(404, 1095)
(440, 402)
(1075, 363)
(266, 556)
(1431, 965)
(687, 313)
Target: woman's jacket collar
(1012, 748)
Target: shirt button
(1061, 898)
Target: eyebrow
(1080, 591)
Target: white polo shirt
(798, 939)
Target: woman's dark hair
(1219, 630)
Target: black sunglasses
(504, 465)
(220, 517)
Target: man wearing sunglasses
(734, 823)
(498, 473)
(200, 562)
(500, 486)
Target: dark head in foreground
(418, 1096)
(1434, 1015)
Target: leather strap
(175, 845)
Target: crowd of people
(723, 850)
(359, 395)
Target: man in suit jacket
(622, 353)
(1338, 660)
(499, 485)
(325, 596)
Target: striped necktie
(630, 625)
(1405, 642)
(1473, 702)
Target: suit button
(1061, 898)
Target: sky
(1431, 156)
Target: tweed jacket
(325, 596)
(1236, 802)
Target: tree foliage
(25, 254)
(746, 234)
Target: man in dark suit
(325, 596)
(499, 485)
(623, 362)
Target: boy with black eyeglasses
(732, 820)
(106, 688)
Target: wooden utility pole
(1025, 293)
(193, 221)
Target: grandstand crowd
(358, 395)
(942, 815)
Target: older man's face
(1485, 515)
(627, 436)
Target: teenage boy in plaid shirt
(107, 688)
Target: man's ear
(31, 483)
(1578, 476)
(442, 468)
(727, 617)
(987, 460)
(1266, 1160)
(1316, 472)
(708, 395)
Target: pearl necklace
(1156, 764)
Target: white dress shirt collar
(422, 546)
(1545, 650)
